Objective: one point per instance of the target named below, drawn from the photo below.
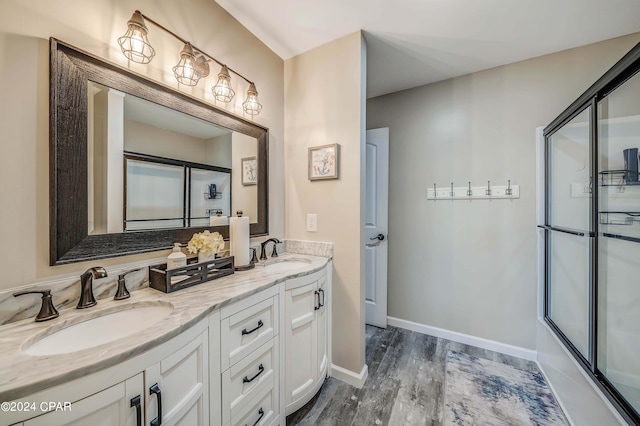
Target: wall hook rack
(469, 192)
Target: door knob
(378, 237)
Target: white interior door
(376, 225)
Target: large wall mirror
(137, 166)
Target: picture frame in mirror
(249, 171)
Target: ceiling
(155, 115)
(415, 42)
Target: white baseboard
(348, 376)
(467, 339)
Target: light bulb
(222, 91)
(185, 70)
(251, 105)
(135, 44)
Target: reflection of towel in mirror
(212, 191)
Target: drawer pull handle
(249, 380)
(322, 304)
(135, 402)
(317, 306)
(158, 420)
(261, 412)
(260, 324)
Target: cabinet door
(180, 383)
(301, 341)
(322, 326)
(109, 407)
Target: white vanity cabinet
(176, 370)
(250, 361)
(232, 368)
(306, 338)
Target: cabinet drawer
(248, 378)
(260, 411)
(247, 330)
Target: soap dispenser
(177, 258)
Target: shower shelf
(619, 225)
(619, 218)
(617, 178)
(218, 196)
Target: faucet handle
(254, 254)
(47, 310)
(122, 275)
(122, 292)
(274, 253)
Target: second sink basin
(106, 328)
(287, 265)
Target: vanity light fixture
(190, 69)
(222, 90)
(192, 66)
(135, 44)
(251, 105)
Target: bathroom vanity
(245, 349)
(248, 348)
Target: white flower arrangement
(206, 243)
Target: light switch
(312, 223)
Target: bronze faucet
(263, 246)
(86, 286)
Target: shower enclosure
(592, 232)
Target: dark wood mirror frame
(70, 71)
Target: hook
(452, 193)
(469, 193)
(435, 191)
(488, 191)
(508, 191)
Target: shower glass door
(592, 232)
(619, 242)
(568, 225)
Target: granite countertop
(22, 374)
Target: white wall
(243, 197)
(324, 103)
(145, 139)
(470, 267)
(25, 27)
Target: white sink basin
(84, 334)
(287, 265)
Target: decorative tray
(170, 280)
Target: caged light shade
(190, 69)
(134, 43)
(222, 91)
(251, 105)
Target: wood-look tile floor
(405, 384)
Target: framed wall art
(249, 171)
(324, 162)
